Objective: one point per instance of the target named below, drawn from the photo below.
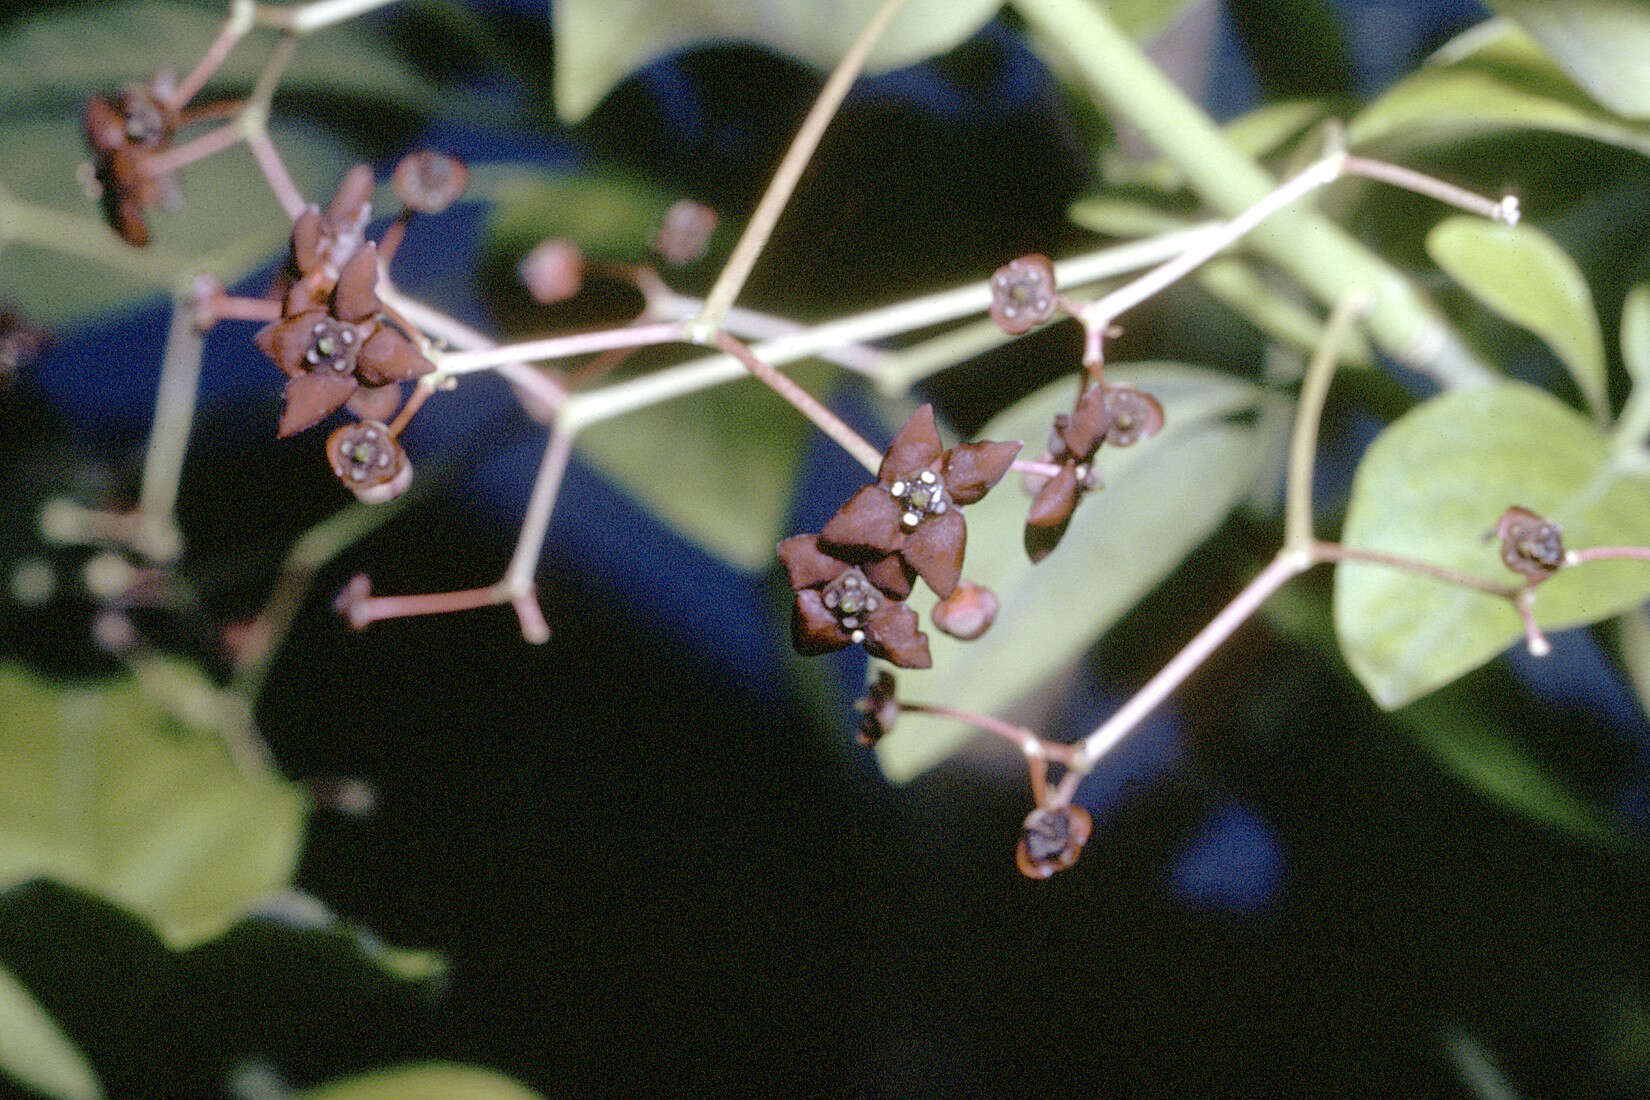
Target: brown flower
(838, 605)
(1023, 294)
(1531, 545)
(346, 353)
(1052, 839)
(429, 182)
(1117, 414)
(878, 709)
(968, 612)
(323, 242)
(123, 134)
(910, 512)
(369, 461)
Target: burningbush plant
(1503, 497)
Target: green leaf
(1524, 276)
(35, 1052)
(60, 263)
(1120, 217)
(599, 42)
(425, 1081)
(1603, 44)
(1635, 335)
(1431, 487)
(1633, 426)
(56, 59)
(1493, 78)
(717, 465)
(1161, 499)
(1145, 19)
(105, 788)
(1487, 757)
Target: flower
(1117, 414)
(346, 353)
(967, 613)
(838, 605)
(878, 709)
(369, 461)
(324, 242)
(123, 134)
(1531, 545)
(428, 182)
(1023, 294)
(909, 511)
(1051, 840)
(685, 232)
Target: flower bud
(1051, 840)
(968, 612)
(553, 272)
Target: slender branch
(1334, 551)
(1282, 568)
(804, 402)
(1607, 553)
(535, 523)
(240, 21)
(1028, 742)
(766, 216)
(169, 431)
(208, 144)
(560, 347)
(1303, 444)
(1098, 316)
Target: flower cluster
(851, 580)
(1118, 414)
(1531, 546)
(334, 341)
(124, 134)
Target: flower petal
(1050, 513)
(306, 240)
(973, 468)
(376, 402)
(1087, 424)
(934, 548)
(354, 299)
(806, 564)
(891, 575)
(916, 446)
(869, 520)
(891, 633)
(814, 629)
(287, 342)
(311, 397)
(388, 356)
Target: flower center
(368, 453)
(332, 347)
(920, 496)
(852, 599)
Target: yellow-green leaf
(424, 1081)
(106, 788)
(35, 1052)
(1432, 486)
(599, 42)
(1492, 78)
(1162, 498)
(1603, 44)
(1523, 275)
